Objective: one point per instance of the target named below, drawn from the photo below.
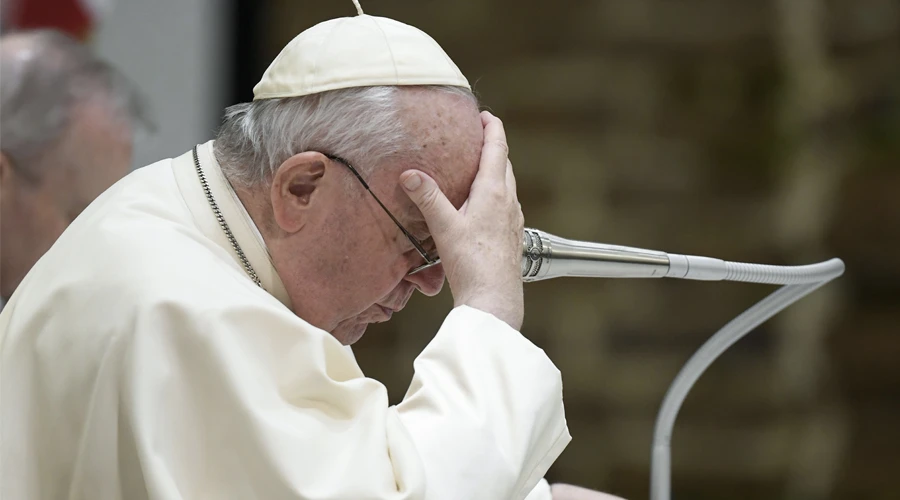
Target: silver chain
(221, 219)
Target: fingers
(511, 187)
(510, 178)
(495, 151)
(481, 244)
(439, 213)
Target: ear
(295, 188)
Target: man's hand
(568, 492)
(481, 243)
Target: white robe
(139, 361)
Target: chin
(349, 334)
(352, 329)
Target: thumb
(425, 193)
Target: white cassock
(139, 361)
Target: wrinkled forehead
(447, 137)
(455, 184)
(444, 140)
(453, 174)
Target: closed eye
(429, 245)
(419, 229)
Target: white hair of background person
(361, 124)
(41, 86)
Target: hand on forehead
(448, 135)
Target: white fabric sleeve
(487, 404)
(247, 401)
(541, 491)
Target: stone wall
(762, 131)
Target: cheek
(379, 269)
(376, 271)
(365, 265)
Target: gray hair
(42, 81)
(362, 124)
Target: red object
(69, 16)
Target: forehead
(446, 136)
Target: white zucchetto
(358, 51)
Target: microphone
(545, 256)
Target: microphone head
(546, 256)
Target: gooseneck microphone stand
(545, 256)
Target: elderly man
(66, 136)
(188, 335)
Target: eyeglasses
(429, 261)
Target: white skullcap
(357, 51)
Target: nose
(428, 281)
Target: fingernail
(412, 182)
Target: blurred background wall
(176, 50)
(763, 131)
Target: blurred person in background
(67, 122)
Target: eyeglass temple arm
(412, 239)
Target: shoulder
(136, 247)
